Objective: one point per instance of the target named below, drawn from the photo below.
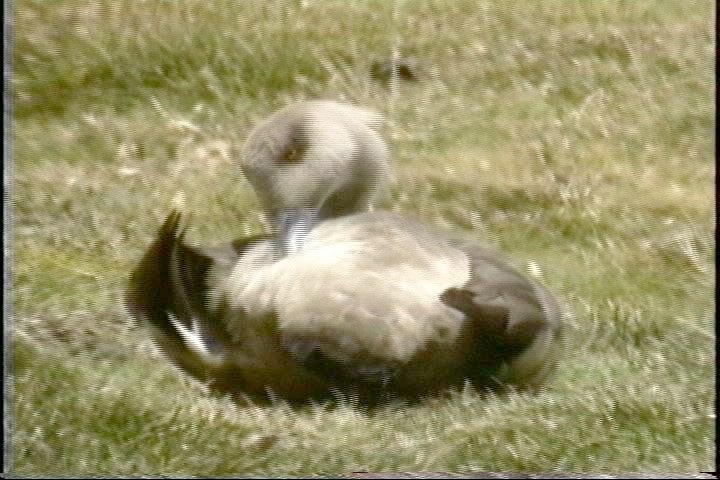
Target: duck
(339, 296)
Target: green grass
(576, 136)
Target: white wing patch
(194, 340)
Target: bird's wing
(514, 320)
(169, 291)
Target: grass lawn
(576, 136)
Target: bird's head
(315, 160)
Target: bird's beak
(292, 226)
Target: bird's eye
(292, 155)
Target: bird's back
(365, 294)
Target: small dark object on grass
(406, 68)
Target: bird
(340, 296)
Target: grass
(576, 136)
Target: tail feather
(149, 294)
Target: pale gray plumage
(340, 297)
